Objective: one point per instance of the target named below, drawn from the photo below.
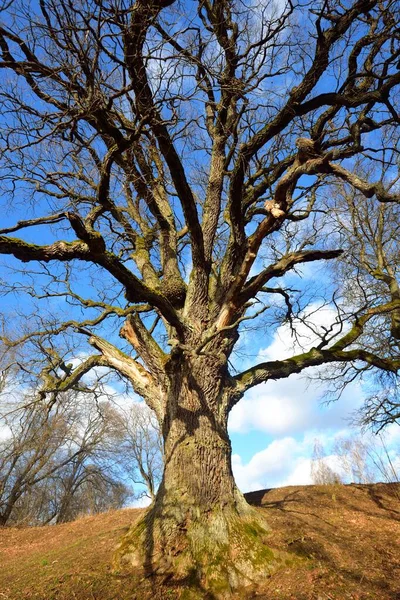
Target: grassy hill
(347, 539)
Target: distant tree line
(73, 456)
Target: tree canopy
(169, 147)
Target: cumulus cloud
(140, 502)
(292, 411)
(283, 462)
(287, 461)
(391, 435)
(293, 405)
(5, 432)
(284, 344)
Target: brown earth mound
(346, 540)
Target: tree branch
(279, 369)
(135, 290)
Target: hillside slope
(347, 539)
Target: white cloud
(300, 475)
(293, 405)
(140, 503)
(391, 435)
(290, 406)
(285, 345)
(287, 461)
(5, 432)
(283, 462)
(268, 462)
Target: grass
(347, 537)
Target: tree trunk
(200, 530)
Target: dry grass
(349, 536)
(348, 539)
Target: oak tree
(176, 163)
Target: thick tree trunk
(200, 530)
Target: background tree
(369, 272)
(57, 462)
(140, 451)
(90, 482)
(321, 472)
(175, 160)
(356, 459)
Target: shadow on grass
(332, 543)
(258, 499)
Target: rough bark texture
(200, 530)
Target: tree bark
(200, 530)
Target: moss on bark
(212, 553)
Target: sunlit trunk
(200, 527)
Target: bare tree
(321, 472)
(90, 481)
(53, 460)
(85, 489)
(174, 163)
(140, 450)
(353, 454)
(367, 277)
(358, 459)
(386, 463)
(27, 453)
